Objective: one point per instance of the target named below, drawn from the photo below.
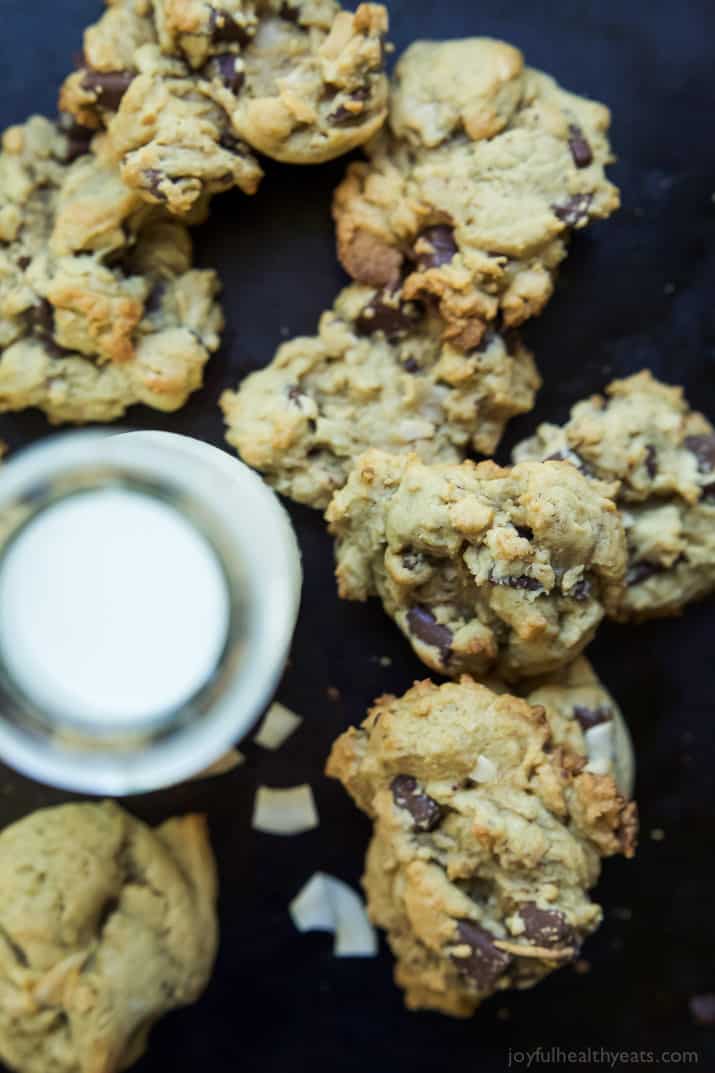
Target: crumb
(333, 693)
(582, 966)
(657, 834)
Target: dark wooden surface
(636, 291)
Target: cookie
(376, 375)
(484, 569)
(660, 457)
(99, 305)
(488, 836)
(470, 194)
(105, 926)
(184, 87)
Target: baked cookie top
(488, 836)
(484, 569)
(472, 190)
(376, 375)
(659, 456)
(185, 86)
(105, 925)
(99, 305)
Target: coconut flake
(328, 904)
(285, 812)
(599, 746)
(278, 724)
(485, 770)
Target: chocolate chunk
(486, 962)
(110, 86)
(641, 571)
(709, 492)
(223, 67)
(574, 210)
(152, 182)
(424, 810)
(42, 317)
(225, 30)
(702, 1009)
(580, 149)
(23, 263)
(703, 447)
(410, 366)
(385, 313)
(427, 629)
(521, 581)
(79, 138)
(154, 299)
(651, 461)
(546, 927)
(581, 590)
(441, 239)
(591, 717)
(346, 117)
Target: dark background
(636, 291)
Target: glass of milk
(149, 590)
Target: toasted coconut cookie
(376, 375)
(484, 569)
(659, 456)
(184, 87)
(488, 837)
(99, 305)
(105, 926)
(470, 194)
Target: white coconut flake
(485, 770)
(278, 724)
(599, 746)
(285, 812)
(328, 904)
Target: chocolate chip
(23, 263)
(641, 571)
(580, 149)
(702, 1009)
(425, 628)
(703, 447)
(651, 461)
(486, 962)
(410, 366)
(223, 67)
(441, 239)
(709, 491)
(225, 30)
(384, 313)
(546, 927)
(574, 210)
(591, 717)
(110, 86)
(424, 810)
(521, 581)
(346, 117)
(581, 590)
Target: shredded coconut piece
(328, 904)
(278, 724)
(485, 770)
(285, 812)
(599, 745)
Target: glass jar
(211, 524)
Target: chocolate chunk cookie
(185, 86)
(488, 836)
(99, 305)
(483, 568)
(376, 375)
(660, 457)
(105, 926)
(471, 192)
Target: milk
(112, 608)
